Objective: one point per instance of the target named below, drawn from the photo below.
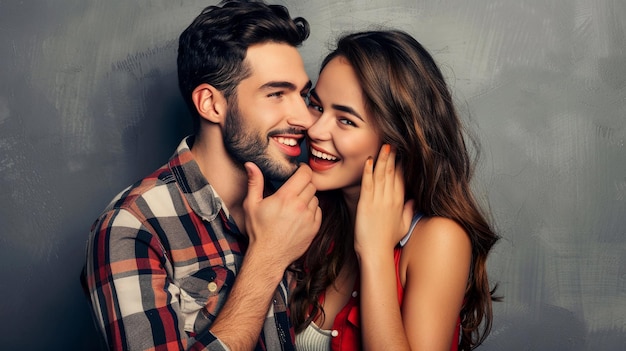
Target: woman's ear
(210, 103)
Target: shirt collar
(201, 196)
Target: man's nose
(301, 116)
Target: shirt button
(355, 293)
(212, 286)
(334, 333)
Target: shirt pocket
(203, 295)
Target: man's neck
(229, 180)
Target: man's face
(267, 120)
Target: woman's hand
(382, 216)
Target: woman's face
(342, 137)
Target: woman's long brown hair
(413, 111)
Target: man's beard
(247, 146)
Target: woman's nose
(320, 130)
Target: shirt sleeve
(132, 297)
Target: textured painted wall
(89, 103)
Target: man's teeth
(287, 141)
(322, 155)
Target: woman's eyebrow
(347, 109)
(343, 108)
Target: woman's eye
(347, 122)
(314, 106)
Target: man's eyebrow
(307, 86)
(284, 85)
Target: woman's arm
(382, 218)
(436, 261)
(434, 267)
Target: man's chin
(279, 173)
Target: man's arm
(280, 228)
(137, 306)
(132, 297)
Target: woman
(358, 288)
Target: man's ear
(210, 103)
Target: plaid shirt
(161, 260)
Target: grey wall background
(89, 104)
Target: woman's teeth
(322, 155)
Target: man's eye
(276, 94)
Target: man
(165, 267)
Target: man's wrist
(265, 265)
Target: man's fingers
(318, 218)
(313, 203)
(256, 182)
(308, 192)
(298, 182)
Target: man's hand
(281, 225)
(280, 228)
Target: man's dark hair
(212, 49)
